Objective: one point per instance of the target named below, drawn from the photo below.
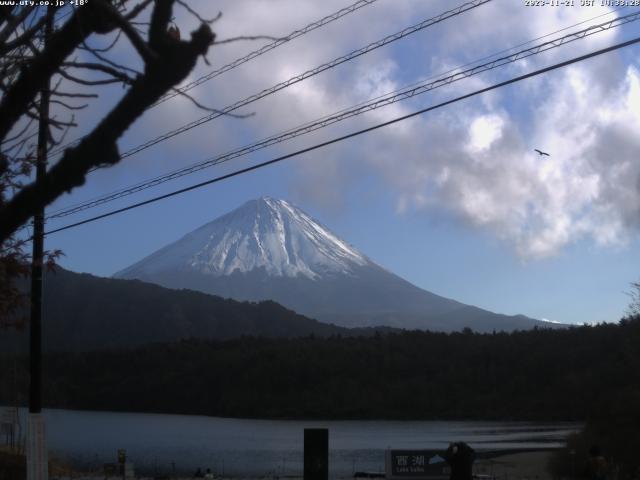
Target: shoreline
(525, 464)
(518, 464)
(509, 419)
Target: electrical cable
(266, 48)
(378, 102)
(353, 134)
(100, 197)
(250, 56)
(303, 76)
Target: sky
(455, 200)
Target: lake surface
(243, 447)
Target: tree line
(573, 374)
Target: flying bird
(541, 153)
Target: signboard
(415, 464)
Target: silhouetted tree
(34, 58)
(634, 305)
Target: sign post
(37, 456)
(415, 464)
(316, 454)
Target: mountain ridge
(268, 249)
(288, 243)
(83, 312)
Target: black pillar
(316, 454)
(35, 336)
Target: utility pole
(37, 457)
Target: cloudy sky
(456, 200)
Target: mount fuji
(268, 249)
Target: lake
(244, 447)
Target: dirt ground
(516, 466)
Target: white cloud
(475, 159)
(483, 132)
(587, 188)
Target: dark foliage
(42, 86)
(613, 424)
(167, 61)
(573, 374)
(83, 312)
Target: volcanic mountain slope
(82, 312)
(268, 249)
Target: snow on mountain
(268, 249)
(267, 234)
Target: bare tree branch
(136, 40)
(8, 149)
(55, 92)
(26, 36)
(63, 136)
(75, 95)
(211, 109)
(82, 81)
(634, 306)
(104, 49)
(12, 24)
(197, 15)
(19, 134)
(123, 77)
(160, 18)
(33, 78)
(60, 124)
(137, 9)
(110, 62)
(27, 64)
(176, 60)
(70, 107)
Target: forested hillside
(83, 312)
(539, 374)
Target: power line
(266, 48)
(305, 75)
(207, 163)
(353, 134)
(359, 109)
(310, 73)
(250, 56)
(379, 102)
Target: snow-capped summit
(265, 233)
(268, 249)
